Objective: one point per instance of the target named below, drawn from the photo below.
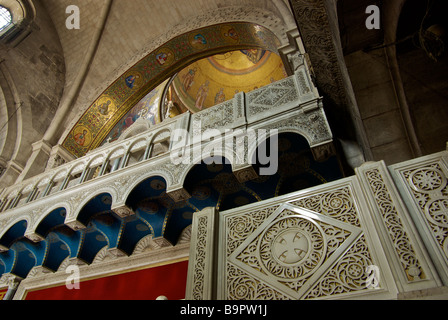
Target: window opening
(5, 18)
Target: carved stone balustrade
(290, 105)
(355, 238)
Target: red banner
(169, 281)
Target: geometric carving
(201, 266)
(429, 186)
(34, 237)
(347, 275)
(323, 152)
(338, 204)
(123, 211)
(245, 174)
(179, 195)
(270, 98)
(289, 251)
(394, 226)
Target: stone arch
(43, 226)
(254, 146)
(14, 231)
(221, 154)
(101, 200)
(138, 127)
(170, 66)
(129, 195)
(23, 14)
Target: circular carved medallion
(427, 180)
(292, 248)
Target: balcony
(170, 150)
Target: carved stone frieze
(266, 100)
(246, 174)
(394, 224)
(123, 211)
(179, 195)
(323, 152)
(314, 26)
(312, 124)
(429, 186)
(201, 267)
(293, 253)
(425, 188)
(10, 280)
(34, 237)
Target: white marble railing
(290, 105)
(355, 238)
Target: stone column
(13, 282)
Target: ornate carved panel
(424, 186)
(396, 227)
(285, 251)
(200, 270)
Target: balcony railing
(290, 105)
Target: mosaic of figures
(120, 97)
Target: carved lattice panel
(288, 252)
(424, 185)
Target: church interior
(92, 91)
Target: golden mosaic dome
(218, 78)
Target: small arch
(57, 180)
(14, 232)
(220, 156)
(134, 231)
(24, 260)
(115, 158)
(136, 152)
(93, 168)
(148, 187)
(71, 239)
(102, 202)
(74, 175)
(138, 127)
(92, 242)
(161, 175)
(255, 143)
(51, 221)
(297, 168)
(161, 142)
(110, 225)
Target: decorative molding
(246, 174)
(202, 247)
(179, 195)
(423, 184)
(283, 251)
(411, 265)
(123, 211)
(394, 225)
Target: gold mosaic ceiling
(216, 79)
(121, 97)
